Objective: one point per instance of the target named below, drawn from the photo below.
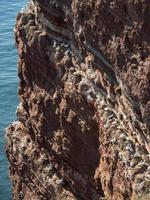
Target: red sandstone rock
(82, 129)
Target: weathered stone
(83, 120)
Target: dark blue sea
(8, 83)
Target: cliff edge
(83, 122)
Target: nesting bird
(60, 182)
(113, 141)
(54, 44)
(142, 164)
(132, 164)
(89, 98)
(129, 147)
(123, 136)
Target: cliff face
(84, 115)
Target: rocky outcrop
(83, 125)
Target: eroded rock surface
(83, 122)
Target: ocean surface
(8, 83)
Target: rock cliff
(83, 122)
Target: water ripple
(8, 83)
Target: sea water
(8, 83)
